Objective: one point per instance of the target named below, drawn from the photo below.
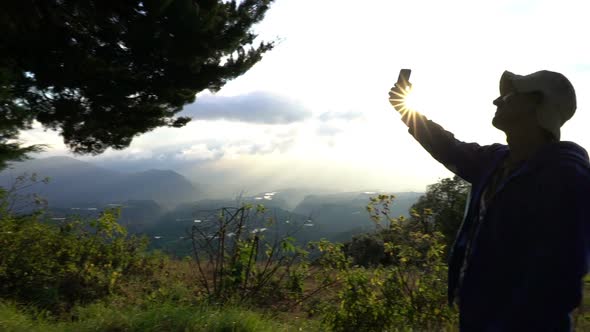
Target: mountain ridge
(74, 181)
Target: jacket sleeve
(556, 255)
(467, 160)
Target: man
(522, 250)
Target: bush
(366, 249)
(408, 294)
(54, 266)
(14, 320)
(236, 263)
(361, 306)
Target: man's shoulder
(493, 149)
(496, 151)
(565, 175)
(562, 159)
(497, 147)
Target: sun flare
(410, 101)
(407, 99)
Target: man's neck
(524, 146)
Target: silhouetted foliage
(102, 72)
(13, 118)
(366, 249)
(445, 201)
(369, 249)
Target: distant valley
(164, 205)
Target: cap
(559, 96)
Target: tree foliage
(102, 72)
(366, 249)
(369, 249)
(13, 118)
(445, 201)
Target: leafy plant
(409, 292)
(446, 202)
(237, 262)
(54, 266)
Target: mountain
(136, 215)
(163, 204)
(74, 182)
(336, 217)
(344, 214)
(163, 186)
(171, 232)
(289, 198)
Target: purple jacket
(530, 253)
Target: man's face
(515, 111)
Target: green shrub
(366, 249)
(361, 307)
(407, 294)
(54, 266)
(236, 263)
(14, 320)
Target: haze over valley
(164, 204)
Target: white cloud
(328, 130)
(38, 135)
(198, 152)
(346, 116)
(138, 153)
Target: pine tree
(102, 72)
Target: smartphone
(404, 77)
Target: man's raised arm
(467, 160)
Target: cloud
(327, 130)
(346, 116)
(137, 154)
(199, 151)
(258, 107)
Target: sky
(314, 112)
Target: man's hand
(397, 96)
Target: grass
(168, 300)
(172, 309)
(582, 314)
(158, 317)
(12, 319)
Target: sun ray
(403, 99)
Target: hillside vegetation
(90, 275)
